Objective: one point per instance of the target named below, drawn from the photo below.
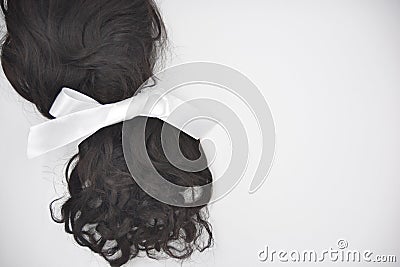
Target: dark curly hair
(105, 49)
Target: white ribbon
(78, 116)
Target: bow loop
(69, 101)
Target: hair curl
(105, 49)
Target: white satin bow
(78, 116)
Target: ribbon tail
(56, 133)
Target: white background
(330, 71)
